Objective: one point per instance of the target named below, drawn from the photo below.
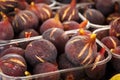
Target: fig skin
(14, 50)
(102, 34)
(94, 16)
(42, 11)
(8, 6)
(110, 41)
(115, 60)
(112, 17)
(51, 23)
(116, 13)
(116, 50)
(64, 63)
(13, 65)
(2, 48)
(22, 4)
(5, 5)
(6, 29)
(70, 25)
(106, 7)
(69, 12)
(40, 51)
(77, 44)
(74, 17)
(94, 72)
(58, 37)
(46, 67)
(24, 19)
(115, 28)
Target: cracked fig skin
(42, 11)
(24, 19)
(69, 12)
(81, 50)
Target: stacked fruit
(45, 55)
(112, 41)
(103, 12)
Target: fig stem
(112, 50)
(83, 24)
(81, 31)
(93, 36)
(102, 51)
(17, 10)
(27, 73)
(73, 3)
(57, 17)
(28, 34)
(32, 3)
(3, 16)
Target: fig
(22, 4)
(24, 19)
(8, 5)
(94, 73)
(13, 65)
(115, 59)
(114, 15)
(105, 6)
(42, 11)
(71, 25)
(114, 28)
(64, 63)
(69, 12)
(39, 51)
(94, 16)
(58, 37)
(81, 50)
(51, 23)
(14, 50)
(6, 29)
(110, 41)
(101, 34)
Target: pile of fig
(54, 52)
(59, 47)
(111, 39)
(103, 12)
